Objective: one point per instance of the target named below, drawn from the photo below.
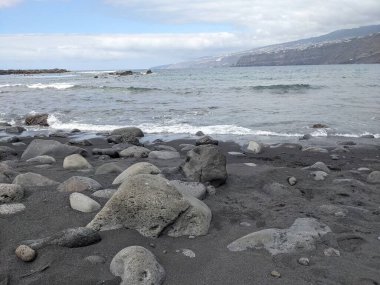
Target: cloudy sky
(121, 34)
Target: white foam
(59, 86)
(9, 85)
(96, 71)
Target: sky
(131, 34)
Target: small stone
(275, 274)
(82, 203)
(236, 153)
(152, 245)
(250, 164)
(331, 252)
(364, 169)
(191, 237)
(306, 137)
(164, 251)
(199, 134)
(304, 261)
(211, 190)
(319, 175)
(334, 157)
(10, 209)
(245, 224)
(188, 252)
(292, 181)
(374, 177)
(95, 259)
(25, 253)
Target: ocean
(227, 103)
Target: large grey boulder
(164, 154)
(146, 203)
(374, 177)
(135, 169)
(128, 134)
(301, 236)
(72, 238)
(195, 189)
(30, 179)
(82, 203)
(138, 266)
(194, 222)
(108, 168)
(50, 147)
(205, 163)
(79, 184)
(10, 193)
(135, 151)
(76, 162)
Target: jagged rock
(199, 134)
(138, 266)
(254, 147)
(106, 151)
(135, 151)
(163, 154)
(37, 120)
(25, 253)
(206, 140)
(59, 134)
(50, 147)
(108, 168)
(79, 184)
(318, 166)
(319, 175)
(10, 193)
(195, 189)
(82, 203)
(301, 236)
(137, 168)
(129, 134)
(29, 180)
(10, 209)
(194, 222)
(106, 193)
(76, 162)
(42, 159)
(75, 237)
(374, 177)
(146, 203)
(205, 163)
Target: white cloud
(278, 20)
(112, 51)
(8, 3)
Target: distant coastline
(31, 71)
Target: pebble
(186, 252)
(245, 224)
(251, 164)
(334, 157)
(319, 175)
(95, 259)
(25, 253)
(236, 153)
(275, 274)
(210, 190)
(331, 252)
(364, 169)
(304, 261)
(152, 245)
(10, 209)
(292, 181)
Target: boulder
(206, 140)
(10, 193)
(254, 147)
(319, 175)
(137, 168)
(82, 203)
(129, 134)
(205, 163)
(79, 184)
(164, 147)
(106, 193)
(106, 151)
(199, 134)
(319, 126)
(71, 238)
(76, 162)
(301, 236)
(138, 266)
(10, 209)
(374, 177)
(146, 203)
(37, 120)
(29, 180)
(108, 168)
(164, 154)
(195, 189)
(42, 159)
(6, 152)
(135, 151)
(15, 130)
(195, 221)
(50, 147)
(306, 137)
(80, 142)
(318, 166)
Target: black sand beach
(255, 197)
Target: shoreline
(253, 198)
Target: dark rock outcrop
(37, 120)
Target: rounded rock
(25, 253)
(76, 162)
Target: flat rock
(276, 189)
(50, 147)
(106, 193)
(76, 162)
(30, 179)
(164, 154)
(315, 149)
(135, 169)
(82, 203)
(318, 166)
(72, 238)
(10, 209)
(374, 177)
(79, 184)
(10, 193)
(146, 203)
(138, 266)
(135, 151)
(195, 189)
(108, 168)
(42, 159)
(205, 163)
(301, 236)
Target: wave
(284, 87)
(59, 86)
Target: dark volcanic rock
(129, 134)
(319, 126)
(122, 73)
(205, 163)
(37, 119)
(206, 140)
(31, 71)
(106, 151)
(15, 130)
